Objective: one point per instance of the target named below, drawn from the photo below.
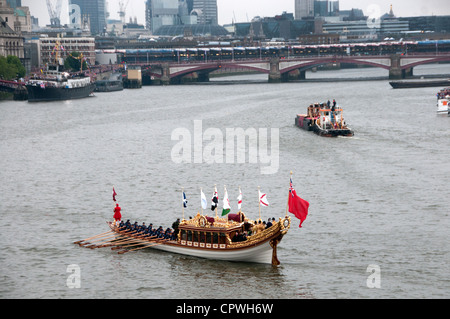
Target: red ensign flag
(298, 206)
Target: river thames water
(379, 199)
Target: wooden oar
(134, 239)
(131, 242)
(134, 243)
(145, 246)
(99, 235)
(103, 240)
(124, 240)
(98, 240)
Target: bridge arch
(182, 70)
(399, 66)
(306, 64)
(407, 62)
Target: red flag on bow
(114, 194)
(297, 206)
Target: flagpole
(215, 192)
(201, 206)
(289, 194)
(240, 206)
(224, 192)
(259, 203)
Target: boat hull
(109, 87)
(418, 84)
(260, 248)
(261, 253)
(332, 132)
(38, 94)
(308, 124)
(443, 106)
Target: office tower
(326, 8)
(304, 8)
(190, 5)
(94, 11)
(161, 12)
(206, 11)
(14, 3)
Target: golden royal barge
(232, 237)
(204, 237)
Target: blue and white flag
(184, 200)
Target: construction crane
(122, 7)
(54, 12)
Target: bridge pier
(396, 72)
(165, 75)
(408, 72)
(294, 75)
(203, 77)
(274, 72)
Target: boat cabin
(329, 119)
(443, 103)
(212, 232)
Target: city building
(14, 3)
(426, 24)
(11, 42)
(94, 11)
(161, 12)
(194, 30)
(304, 9)
(326, 8)
(206, 11)
(323, 38)
(17, 17)
(172, 13)
(362, 31)
(185, 8)
(280, 27)
(83, 45)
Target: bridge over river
(278, 69)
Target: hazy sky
(244, 10)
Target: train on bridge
(207, 54)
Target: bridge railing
(11, 84)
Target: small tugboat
(232, 237)
(324, 121)
(111, 84)
(443, 101)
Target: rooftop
(196, 29)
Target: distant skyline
(245, 10)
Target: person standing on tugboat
(333, 114)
